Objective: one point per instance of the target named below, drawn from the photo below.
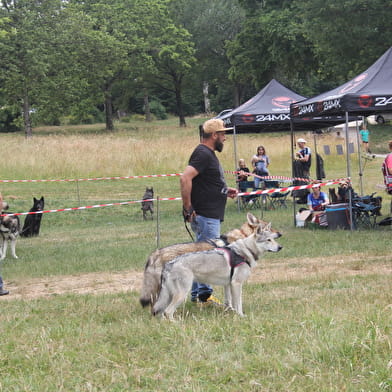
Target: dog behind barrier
(32, 223)
(147, 203)
(9, 230)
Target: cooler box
(338, 216)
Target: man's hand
(188, 214)
(232, 192)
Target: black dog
(148, 205)
(32, 222)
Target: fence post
(158, 231)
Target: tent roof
(367, 93)
(269, 111)
(270, 107)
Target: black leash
(189, 232)
(187, 215)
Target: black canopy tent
(269, 111)
(366, 94)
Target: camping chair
(366, 209)
(248, 202)
(275, 199)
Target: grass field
(319, 313)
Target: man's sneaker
(4, 292)
(211, 300)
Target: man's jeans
(205, 229)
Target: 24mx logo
(383, 101)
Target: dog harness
(234, 259)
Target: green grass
(319, 313)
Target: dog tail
(163, 300)
(151, 281)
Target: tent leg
(350, 203)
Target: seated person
(317, 201)
(242, 175)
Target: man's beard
(218, 146)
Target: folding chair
(275, 199)
(365, 215)
(278, 199)
(248, 202)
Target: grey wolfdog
(9, 231)
(229, 267)
(158, 258)
(148, 205)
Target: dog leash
(189, 232)
(186, 215)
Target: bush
(10, 119)
(158, 110)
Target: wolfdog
(148, 205)
(229, 267)
(9, 230)
(32, 222)
(158, 258)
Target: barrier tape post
(158, 223)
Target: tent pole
(235, 161)
(292, 164)
(349, 176)
(359, 156)
(315, 152)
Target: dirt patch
(268, 271)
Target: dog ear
(252, 220)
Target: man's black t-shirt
(209, 188)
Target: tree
(173, 61)
(272, 45)
(347, 35)
(26, 57)
(213, 24)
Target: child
(364, 132)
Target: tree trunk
(207, 104)
(147, 110)
(237, 95)
(180, 109)
(109, 111)
(26, 116)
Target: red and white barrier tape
(97, 178)
(281, 178)
(89, 207)
(290, 188)
(260, 192)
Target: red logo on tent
(248, 118)
(283, 102)
(354, 83)
(364, 101)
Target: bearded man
(204, 193)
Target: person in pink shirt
(387, 171)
